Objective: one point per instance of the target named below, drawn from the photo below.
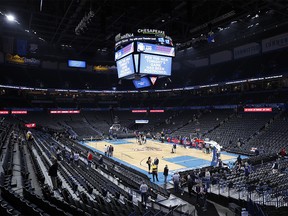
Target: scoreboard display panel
(142, 83)
(125, 66)
(155, 49)
(145, 53)
(155, 65)
(124, 51)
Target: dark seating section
(239, 128)
(177, 120)
(4, 132)
(45, 120)
(45, 205)
(22, 205)
(274, 136)
(100, 120)
(7, 164)
(202, 122)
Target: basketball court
(129, 152)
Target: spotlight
(10, 18)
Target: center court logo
(147, 149)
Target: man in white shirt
(176, 180)
(105, 150)
(143, 189)
(207, 178)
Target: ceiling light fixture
(10, 18)
(41, 5)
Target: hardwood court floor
(130, 152)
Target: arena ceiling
(55, 21)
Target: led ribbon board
(258, 109)
(76, 64)
(64, 111)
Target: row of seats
(204, 122)
(7, 164)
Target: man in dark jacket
(156, 161)
(53, 173)
(165, 173)
(190, 183)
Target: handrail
(173, 209)
(148, 213)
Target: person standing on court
(149, 164)
(165, 173)
(154, 172)
(52, 172)
(106, 150)
(111, 150)
(156, 161)
(143, 191)
(174, 148)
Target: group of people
(186, 141)
(240, 166)
(63, 153)
(140, 138)
(74, 158)
(197, 183)
(153, 166)
(108, 150)
(190, 180)
(144, 188)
